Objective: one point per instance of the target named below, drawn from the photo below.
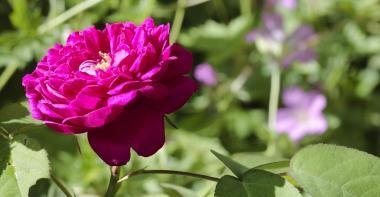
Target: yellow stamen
(105, 62)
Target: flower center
(90, 66)
(301, 115)
(105, 62)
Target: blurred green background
(229, 117)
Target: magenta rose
(116, 84)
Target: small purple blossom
(271, 30)
(205, 74)
(302, 114)
(288, 4)
(271, 37)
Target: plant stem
(274, 96)
(245, 8)
(172, 172)
(6, 75)
(67, 15)
(178, 19)
(61, 186)
(113, 185)
(190, 3)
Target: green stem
(222, 10)
(113, 185)
(6, 75)
(245, 8)
(172, 172)
(4, 135)
(61, 186)
(274, 96)
(190, 3)
(178, 19)
(67, 15)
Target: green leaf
(15, 116)
(275, 167)
(255, 183)
(4, 154)
(235, 167)
(180, 191)
(29, 163)
(329, 170)
(25, 16)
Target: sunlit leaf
(29, 163)
(4, 153)
(255, 183)
(236, 168)
(329, 170)
(275, 167)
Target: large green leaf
(275, 167)
(329, 170)
(255, 183)
(29, 163)
(15, 116)
(4, 153)
(236, 168)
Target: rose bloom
(116, 84)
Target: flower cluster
(116, 84)
(271, 38)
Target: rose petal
(131, 129)
(97, 118)
(64, 128)
(180, 90)
(181, 65)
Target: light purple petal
(294, 97)
(285, 122)
(301, 35)
(273, 25)
(205, 74)
(317, 124)
(317, 103)
(253, 36)
(304, 56)
(289, 4)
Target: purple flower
(271, 30)
(302, 114)
(205, 74)
(271, 38)
(298, 43)
(288, 4)
(116, 84)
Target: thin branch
(171, 123)
(172, 172)
(6, 75)
(178, 19)
(113, 185)
(190, 3)
(67, 15)
(61, 185)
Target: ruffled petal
(97, 118)
(64, 128)
(180, 90)
(182, 63)
(130, 130)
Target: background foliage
(229, 118)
